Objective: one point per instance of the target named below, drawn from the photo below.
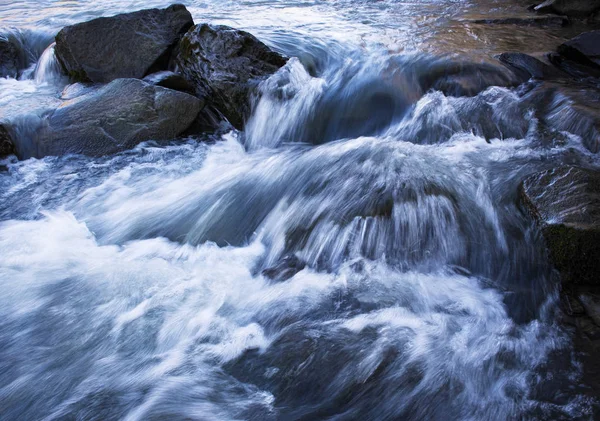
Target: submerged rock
(566, 202)
(576, 8)
(285, 269)
(583, 49)
(465, 78)
(6, 143)
(570, 107)
(225, 65)
(9, 59)
(129, 45)
(114, 118)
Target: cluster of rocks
(146, 75)
(564, 90)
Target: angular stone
(130, 45)
(528, 67)
(583, 49)
(566, 202)
(225, 65)
(114, 118)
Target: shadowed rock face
(583, 49)
(566, 201)
(576, 8)
(124, 46)
(225, 65)
(6, 145)
(9, 59)
(114, 118)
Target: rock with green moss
(225, 65)
(566, 202)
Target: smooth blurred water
(134, 286)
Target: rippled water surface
(358, 253)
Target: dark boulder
(573, 68)
(114, 118)
(566, 202)
(6, 143)
(130, 45)
(9, 58)
(575, 8)
(225, 65)
(526, 66)
(583, 49)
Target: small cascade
(48, 70)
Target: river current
(409, 284)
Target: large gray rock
(114, 118)
(583, 49)
(566, 202)
(576, 8)
(225, 65)
(9, 58)
(124, 46)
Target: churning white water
(357, 253)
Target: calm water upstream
(132, 285)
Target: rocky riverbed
(302, 227)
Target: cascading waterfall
(357, 253)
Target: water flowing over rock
(583, 49)
(568, 106)
(170, 80)
(9, 57)
(225, 65)
(123, 46)
(116, 117)
(566, 201)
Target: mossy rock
(566, 202)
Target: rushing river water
(134, 286)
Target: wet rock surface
(576, 8)
(6, 144)
(583, 49)
(124, 46)
(226, 65)
(566, 202)
(527, 66)
(170, 80)
(9, 58)
(114, 118)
